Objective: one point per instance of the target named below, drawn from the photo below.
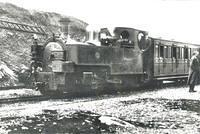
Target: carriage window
(162, 51)
(156, 51)
(174, 55)
(169, 52)
(166, 51)
(182, 53)
(178, 53)
(189, 53)
(186, 53)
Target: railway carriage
(168, 60)
(126, 58)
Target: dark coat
(193, 71)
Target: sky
(167, 19)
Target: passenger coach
(168, 60)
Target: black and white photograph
(99, 67)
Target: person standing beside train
(193, 71)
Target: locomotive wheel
(43, 92)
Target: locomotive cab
(124, 37)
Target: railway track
(43, 98)
(33, 98)
(12, 87)
(24, 99)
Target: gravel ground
(165, 111)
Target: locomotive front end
(53, 68)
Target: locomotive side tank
(77, 67)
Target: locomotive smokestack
(65, 25)
(93, 35)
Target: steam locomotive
(122, 58)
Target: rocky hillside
(15, 46)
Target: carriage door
(181, 61)
(166, 60)
(161, 59)
(177, 60)
(174, 59)
(186, 59)
(158, 59)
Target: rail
(24, 99)
(12, 87)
